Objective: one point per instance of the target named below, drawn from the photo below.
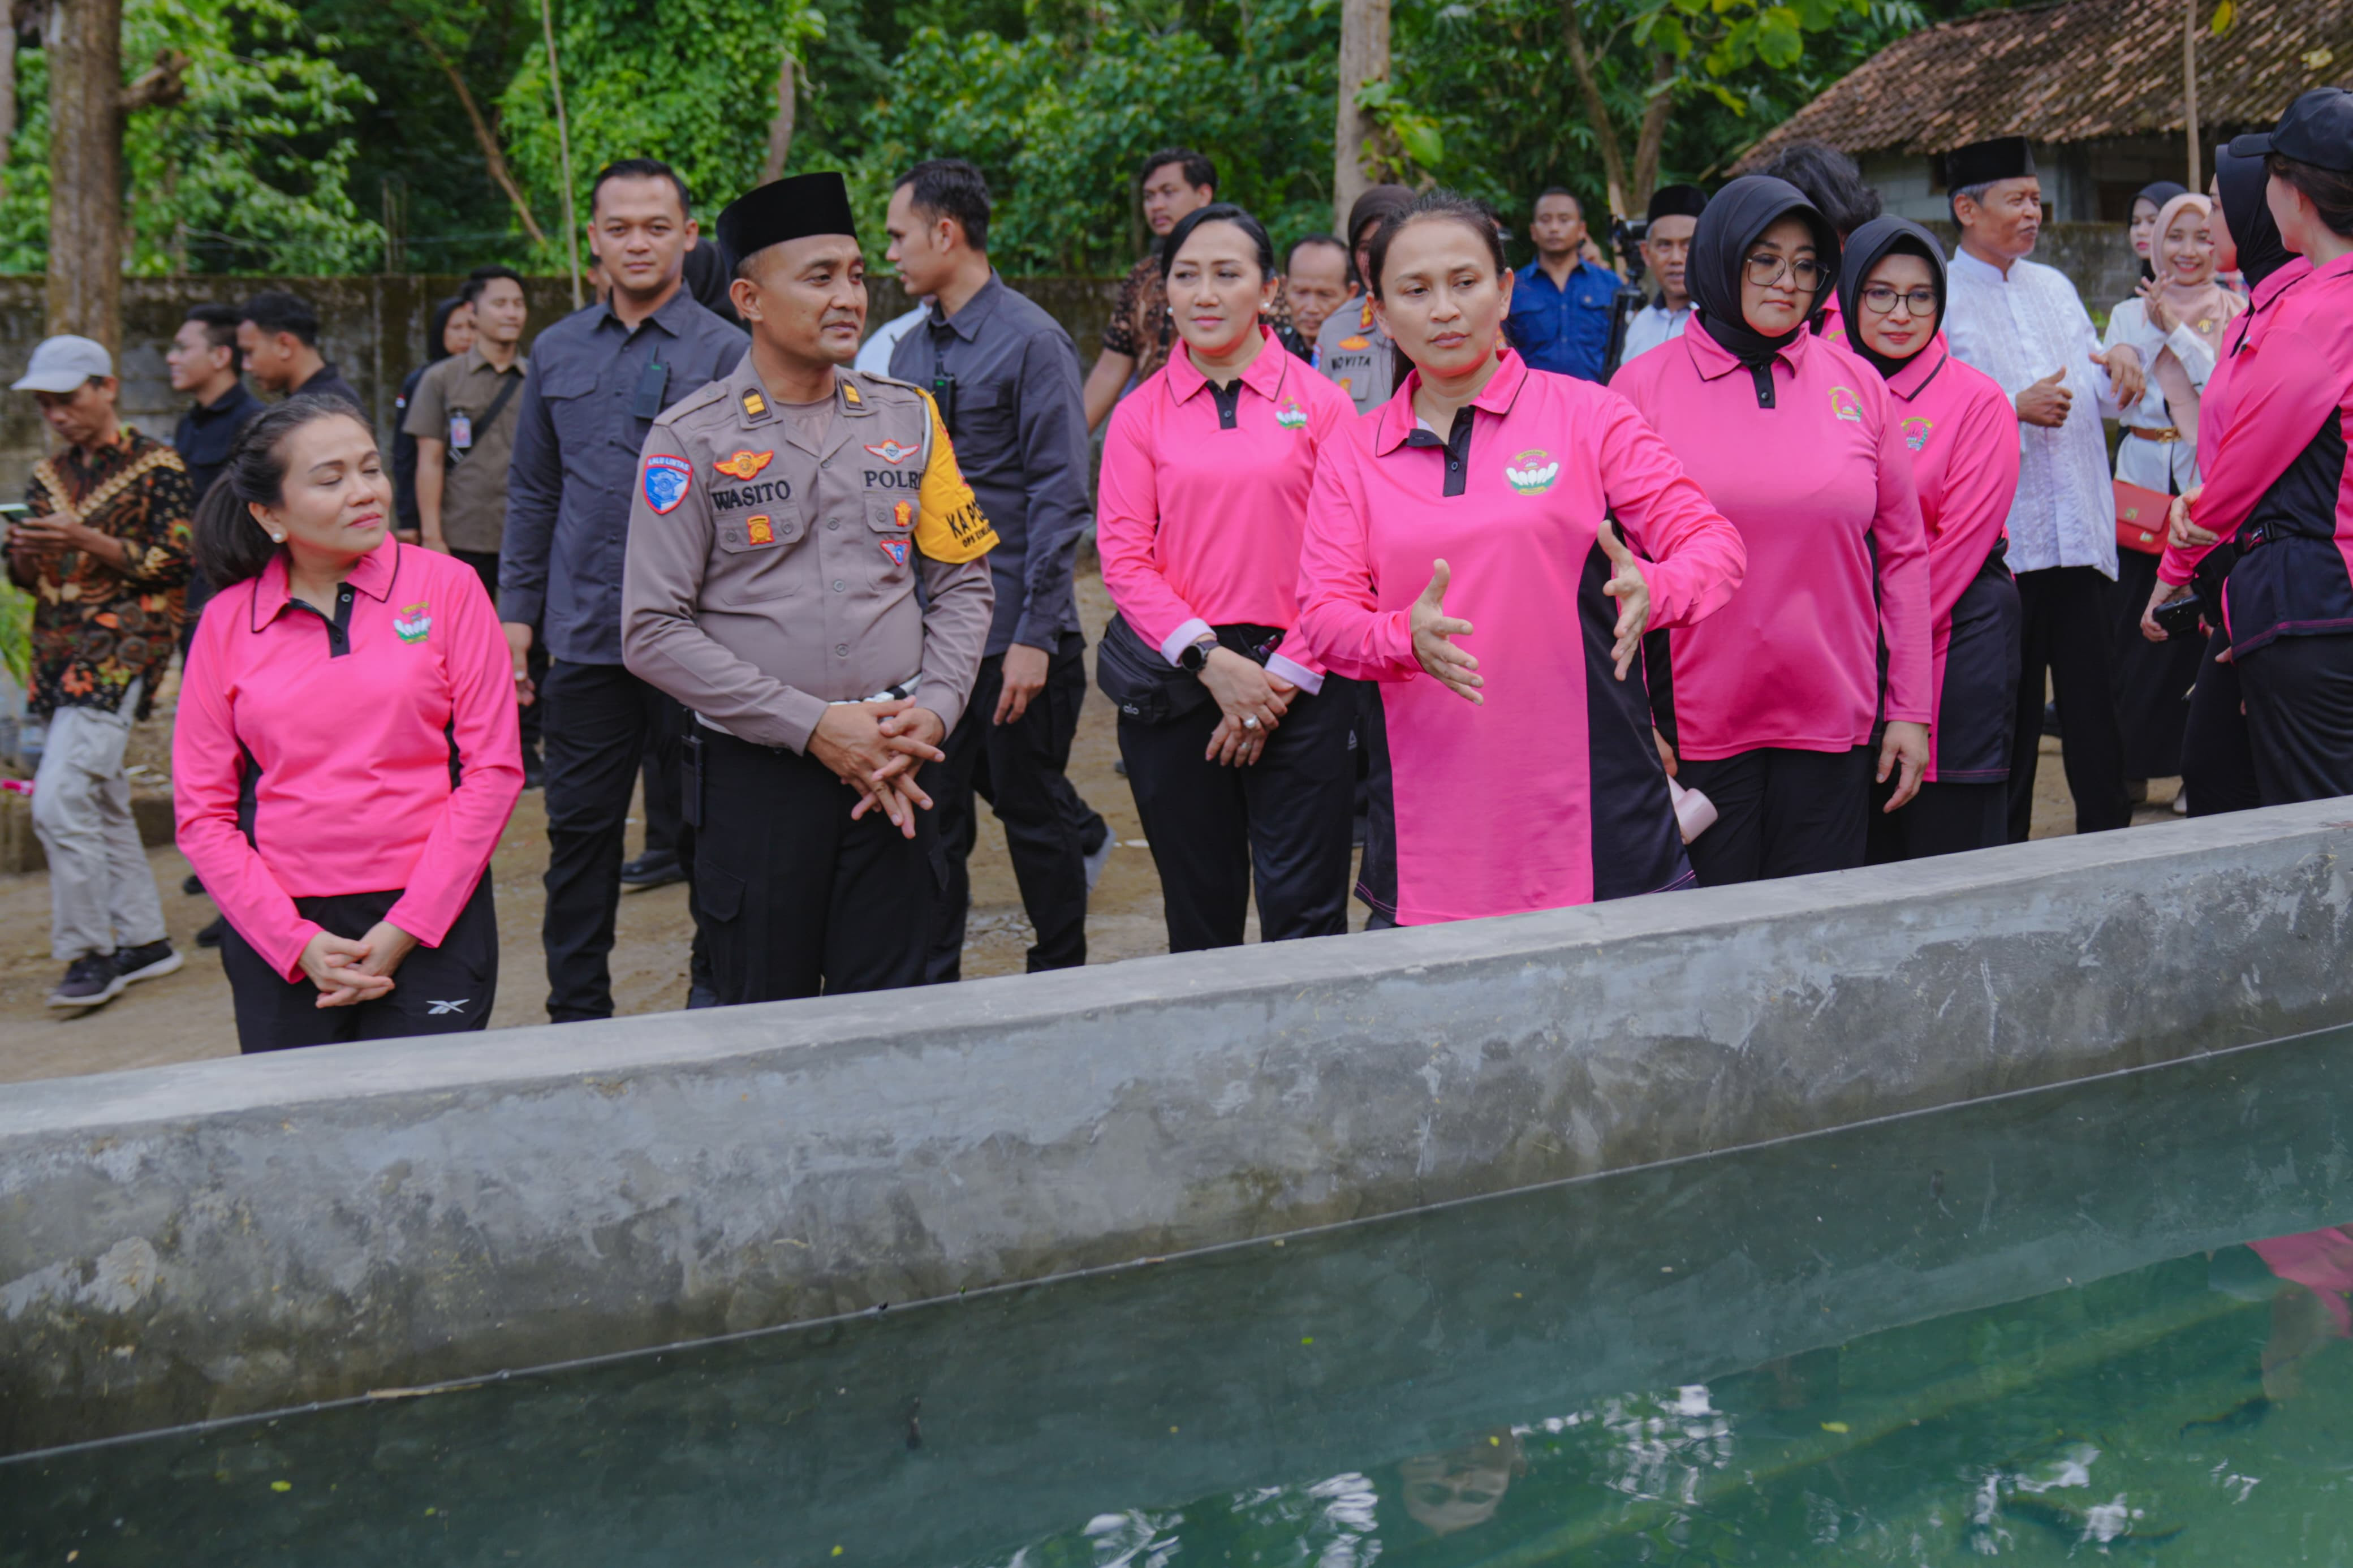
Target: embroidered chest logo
(745, 465)
(1915, 431)
(894, 452)
(1530, 474)
(1846, 404)
(759, 530)
(1291, 416)
(896, 550)
(413, 621)
(667, 481)
(1356, 344)
(903, 514)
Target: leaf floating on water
(281, 1485)
(1838, 1426)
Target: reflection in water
(1462, 1487)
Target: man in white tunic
(2021, 323)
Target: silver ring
(1249, 721)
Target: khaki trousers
(102, 894)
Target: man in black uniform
(599, 379)
(1005, 378)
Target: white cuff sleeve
(1183, 637)
(1308, 680)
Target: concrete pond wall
(236, 1236)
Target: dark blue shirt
(1566, 331)
(586, 405)
(1020, 427)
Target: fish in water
(2245, 1414)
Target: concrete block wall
(249, 1234)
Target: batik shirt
(96, 629)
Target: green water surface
(2024, 1330)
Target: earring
(277, 538)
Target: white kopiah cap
(63, 363)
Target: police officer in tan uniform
(781, 521)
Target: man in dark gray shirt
(600, 378)
(1006, 379)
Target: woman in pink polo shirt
(1237, 745)
(1962, 435)
(1768, 707)
(346, 752)
(1457, 532)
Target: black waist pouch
(1146, 688)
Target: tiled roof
(2073, 72)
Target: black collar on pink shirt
(1457, 447)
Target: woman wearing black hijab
(2148, 201)
(1775, 697)
(2218, 762)
(1962, 436)
(452, 332)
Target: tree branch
(780, 127)
(160, 86)
(1596, 110)
(493, 156)
(1653, 137)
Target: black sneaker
(651, 871)
(535, 772)
(192, 884)
(89, 981)
(211, 935)
(147, 960)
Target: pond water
(2031, 1329)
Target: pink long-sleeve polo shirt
(1812, 482)
(1550, 792)
(374, 751)
(1962, 435)
(1204, 497)
(2275, 435)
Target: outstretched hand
(1632, 591)
(1434, 633)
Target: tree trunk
(780, 129)
(85, 49)
(7, 89)
(1363, 58)
(2190, 89)
(494, 157)
(1597, 111)
(1653, 138)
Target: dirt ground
(186, 1015)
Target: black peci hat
(793, 208)
(1983, 163)
(1677, 201)
(2317, 128)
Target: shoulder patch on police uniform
(666, 481)
(754, 403)
(849, 396)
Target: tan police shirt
(770, 573)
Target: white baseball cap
(63, 363)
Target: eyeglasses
(1764, 269)
(1879, 298)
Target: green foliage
(250, 172)
(692, 82)
(1058, 124)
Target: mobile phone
(2181, 618)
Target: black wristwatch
(1196, 654)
